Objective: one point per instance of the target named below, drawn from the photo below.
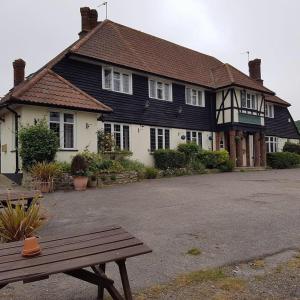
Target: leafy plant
(283, 160)
(291, 147)
(37, 144)
(213, 159)
(79, 166)
(151, 173)
(169, 159)
(197, 166)
(18, 223)
(63, 167)
(227, 166)
(93, 161)
(105, 141)
(190, 151)
(44, 171)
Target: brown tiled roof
(48, 88)
(276, 100)
(121, 45)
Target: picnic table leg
(125, 280)
(101, 286)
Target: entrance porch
(246, 148)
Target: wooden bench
(71, 255)
(16, 197)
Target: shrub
(105, 164)
(63, 167)
(283, 160)
(291, 147)
(151, 173)
(169, 159)
(227, 166)
(105, 141)
(37, 144)
(134, 165)
(117, 155)
(93, 161)
(44, 171)
(197, 166)
(115, 167)
(213, 159)
(190, 151)
(79, 166)
(17, 223)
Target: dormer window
(194, 97)
(248, 100)
(160, 89)
(116, 80)
(269, 110)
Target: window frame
(163, 136)
(249, 100)
(197, 90)
(164, 84)
(269, 113)
(112, 132)
(122, 73)
(272, 144)
(61, 123)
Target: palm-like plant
(17, 223)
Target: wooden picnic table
(71, 255)
(18, 196)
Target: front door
(251, 150)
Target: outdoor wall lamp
(87, 125)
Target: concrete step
(249, 169)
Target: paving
(230, 217)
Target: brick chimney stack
(19, 71)
(254, 70)
(89, 20)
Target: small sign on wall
(4, 148)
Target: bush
(63, 167)
(79, 166)
(190, 151)
(213, 159)
(283, 160)
(169, 159)
(93, 161)
(134, 165)
(227, 166)
(105, 141)
(45, 171)
(37, 144)
(197, 166)
(151, 173)
(17, 223)
(291, 147)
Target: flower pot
(31, 247)
(44, 186)
(80, 183)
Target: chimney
(254, 70)
(93, 18)
(85, 21)
(19, 71)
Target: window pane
(159, 90)
(54, 116)
(194, 97)
(126, 137)
(200, 101)
(126, 81)
(117, 81)
(56, 128)
(248, 101)
(167, 138)
(167, 91)
(68, 136)
(200, 139)
(152, 140)
(68, 118)
(243, 99)
(188, 96)
(107, 79)
(152, 88)
(253, 101)
(107, 128)
(117, 136)
(188, 136)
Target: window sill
(119, 92)
(201, 106)
(67, 150)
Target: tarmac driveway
(230, 217)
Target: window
(120, 133)
(272, 144)
(117, 81)
(194, 97)
(159, 89)
(63, 125)
(194, 137)
(248, 100)
(269, 110)
(159, 138)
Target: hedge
(169, 159)
(213, 159)
(283, 160)
(291, 147)
(190, 151)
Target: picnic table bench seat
(71, 255)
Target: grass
(194, 252)
(232, 284)
(257, 264)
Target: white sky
(38, 30)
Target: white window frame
(112, 128)
(269, 110)
(61, 123)
(272, 142)
(248, 100)
(163, 136)
(197, 137)
(164, 83)
(199, 102)
(122, 73)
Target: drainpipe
(17, 116)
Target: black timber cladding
(131, 108)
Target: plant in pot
(79, 170)
(43, 174)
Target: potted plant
(43, 174)
(79, 171)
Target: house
(150, 94)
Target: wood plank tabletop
(70, 252)
(19, 195)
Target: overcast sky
(38, 30)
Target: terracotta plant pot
(80, 183)
(45, 186)
(31, 247)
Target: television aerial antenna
(104, 4)
(248, 54)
